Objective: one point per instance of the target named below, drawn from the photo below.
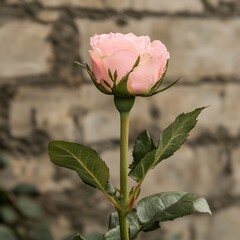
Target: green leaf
(3, 161)
(113, 226)
(175, 237)
(69, 237)
(79, 237)
(142, 146)
(26, 189)
(8, 214)
(176, 134)
(110, 189)
(170, 141)
(84, 160)
(113, 234)
(151, 226)
(113, 220)
(134, 225)
(6, 233)
(94, 236)
(29, 208)
(141, 169)
(169, 206)
(4, 196)
(41, 231)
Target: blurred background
(45, 96)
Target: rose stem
(124, 106)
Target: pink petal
(149, 70)
(99, 69)
(122, 61)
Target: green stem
(124, 174)
(124, 158)
(124, 106)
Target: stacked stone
(45, 96)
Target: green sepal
(169, 206)
(124, 104)
(142, 146)
(84, 160)
(167, 87)
(93, 78)
(121, 89)
(156, 87)
(170, 141)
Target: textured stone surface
(39, 172)
(178, 229)
(82, 3)
(192, 170)
(97, 120)
(48, 16)
(43, 108)
(19, 1)
(204, 95)
(100, 126)
(213, 2)
(116, 4)
(193, 55)
(170, 6)
(61, 222)
(87, 115)
(225, 224)
(231, 114)
(24, 49)
(40, 42)
(200, 226)
(236, 172)
(111, 157)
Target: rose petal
(118, 52)
(99, 69)
(144, 76)
(122, 61)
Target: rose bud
(127, 65)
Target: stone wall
(45, 96)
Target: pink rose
(127, 65)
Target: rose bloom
(127, 65)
